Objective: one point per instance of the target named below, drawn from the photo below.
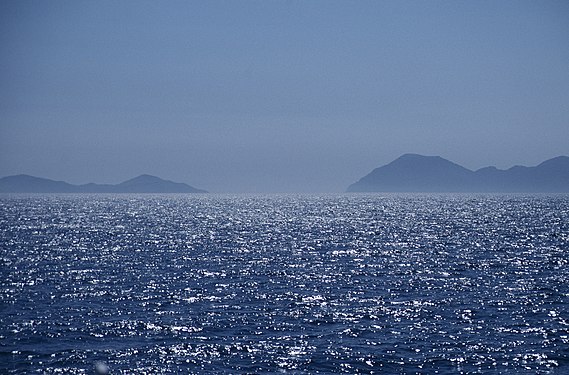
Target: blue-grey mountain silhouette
(151, 184)
(29, 184)
(141, 184)
(417, 173)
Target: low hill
(24, 183)
(140, 184)
(151, 184)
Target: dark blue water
(283, 283)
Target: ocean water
(316, 284)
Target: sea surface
(260, 284)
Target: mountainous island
(141, 184)
(418, 173)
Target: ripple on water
(308, 283)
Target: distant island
(418, 173)
(141, 184)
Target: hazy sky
(234, 96)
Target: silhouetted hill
(24, 183)
(140, 184)
(151, 184)
(417, 173)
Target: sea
(284, 283)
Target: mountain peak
(416, 157)
(423, 159)
(418, 173)
(144, 178)
(411, 155)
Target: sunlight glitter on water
(305, 284)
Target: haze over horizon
(257, 96)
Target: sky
(277, 96)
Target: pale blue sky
(235, 96)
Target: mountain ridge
(419, 173)
(144, 183)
